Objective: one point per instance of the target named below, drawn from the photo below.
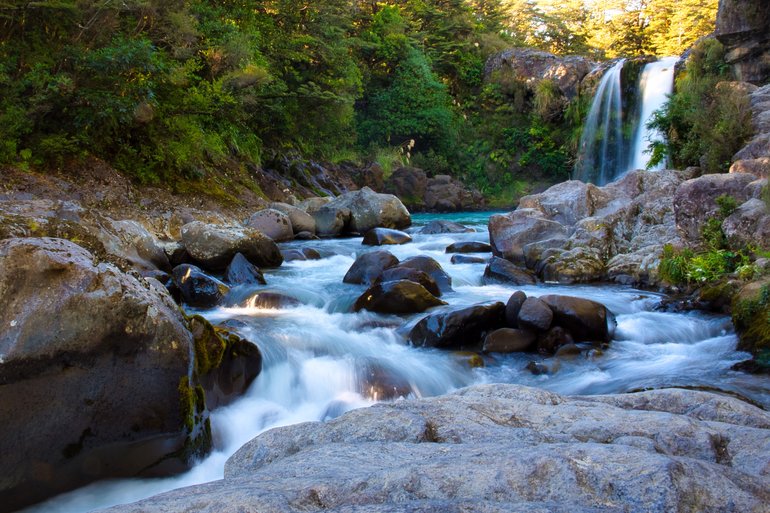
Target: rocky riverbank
(496, 448)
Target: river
(320, 360)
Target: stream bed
(320, 360)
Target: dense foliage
(174, 89)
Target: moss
(196, 421)
(751, 317)
(210, 345)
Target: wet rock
(467, 259)
(300, 254)
(226, 364)
(397, 297)
(197, 288)
(586, 320)
(550, 341)
(442, 226)
(300, 220)
(500, 270)
(384, 236)
(268, 300)
(379, 382)
(215, 246)
(568, 352)
(369, 266)
(407, 273)
(509, 233)
(459, 328)
(91, 361)
(369, 209)
(305, 236)
(273, 223)
(512, 308)
(469, 247)
(432, 268)
(242, 272)
(535, 314)
(176, 253)
(509, 340)
(537, 368)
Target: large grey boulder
(94, 370)
(301, 221)
(749, 225)
(369, 209)
(215, 246)
(503, 448)
(273, 223)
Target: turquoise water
(477, 220)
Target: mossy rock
(210, 345)
(751, 317)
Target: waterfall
(601, 144)
(655, 84)
(614, 141)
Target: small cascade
(615, 137)
(655, 84)
(601, 144)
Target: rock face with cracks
(502, 448)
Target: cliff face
(743, 26)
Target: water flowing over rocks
(495, 448)
(76, 336)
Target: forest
(172, 90)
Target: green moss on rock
(210, 345)
(751, 317)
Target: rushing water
(320, 360)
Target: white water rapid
(655, 84)
(321, 360)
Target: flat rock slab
(503, 448)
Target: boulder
(397, 297)
(369, 209)
(695, 200)
(509, 340)
(300, 254)
(242, 272)
(467, 259)
(215, 246)
(369, 266)
(331, 221)
(409, 184)
(407, 273)
(432, 268)
(197, 288)
(550, 341)
(312, 205)
(96, 390)
(512, 308)
(469, 247)
(534, 314)
(749, 226)
(273, 223)
(441, 226)
(502, 448)
(300, 220)
(385, 236)
(500, 270)
(445, 194)
(268, 300)
(759, 167)
(509, 233)
(458, 328)
(586, 320)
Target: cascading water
(321, 359)
(602, 151)
(607, 149)
(655, 84)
